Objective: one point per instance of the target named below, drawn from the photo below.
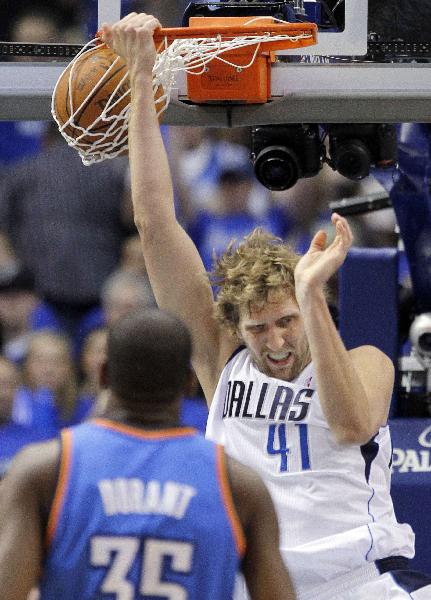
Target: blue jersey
(141, 515)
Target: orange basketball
(87, 86)
(94, 78)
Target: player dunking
(285, 395)
(139, 507)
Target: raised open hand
(320, 262)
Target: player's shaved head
(148, 356)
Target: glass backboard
(334, 80)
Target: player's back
(140, 514)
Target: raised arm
(263, 568)
(174, 266)
(354, 386)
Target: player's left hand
(320, 262)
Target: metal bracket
(350, 42)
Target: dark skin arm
(25, 496)
(263, 568)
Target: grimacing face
(275, 336)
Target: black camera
(355, 148)
(420, 337)
(282, 154)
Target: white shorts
(364, 584)
(389, 586)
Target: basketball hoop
(227, 59)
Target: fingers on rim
(141, 19)
(137, 23)
(149, 25)
(129, 17)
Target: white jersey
(333, 500)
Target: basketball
(94, 90)
(91, 83)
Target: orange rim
(226, 31)
(227, 28)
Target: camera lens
(420, 336)
(424, 342)
(277, 168)
(352, 160)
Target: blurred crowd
(70, 257)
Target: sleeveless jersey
(333, 500)
(141, 514)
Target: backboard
(330, 82)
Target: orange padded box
(242, 82)
(237, 84)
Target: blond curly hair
(246, 273)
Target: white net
(107, 136)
